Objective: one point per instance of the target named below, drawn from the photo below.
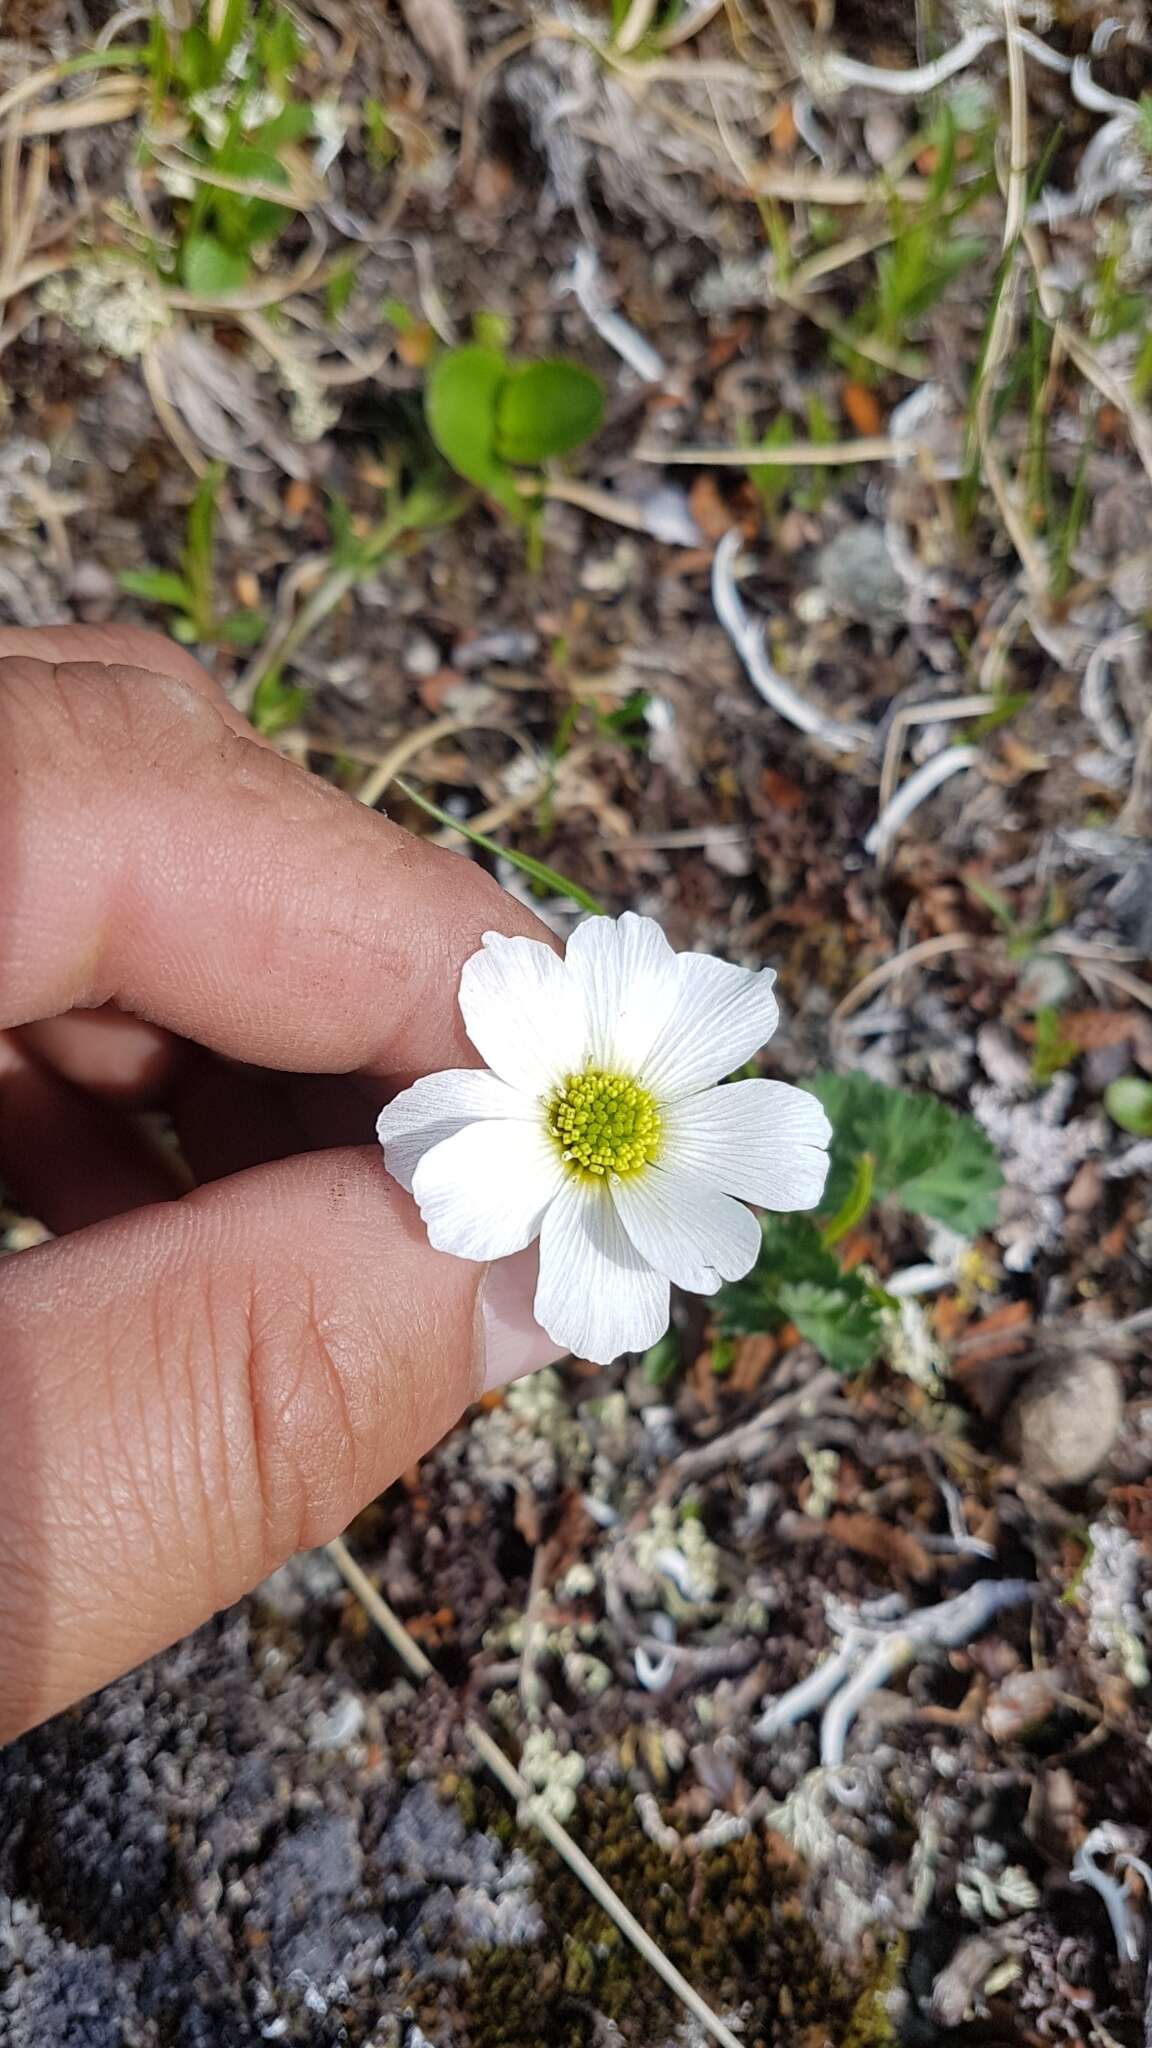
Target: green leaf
(210, 269)
(492, 330)
(661, 1362)
(241, 160)
(460, 397)
(198, 62)
(158, 586)
(932, 1160)
(1129, 1104)
(228, 26)
(276, 704)
(796, 1279)
(242, 629)
(846, 1325)
(545, 409)
(536, 871)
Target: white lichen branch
(747, 637)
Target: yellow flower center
(604, 1123)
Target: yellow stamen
(604, 1123)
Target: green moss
(734, 1921)
(872, 2025)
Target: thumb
(190, 1393)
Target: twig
(529, 1810)
(750, 1440)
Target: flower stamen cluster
(604, 1123)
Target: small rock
(1066, 1419)
(859, 577)
(421, 656)
(1020, 1703)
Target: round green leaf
(209, 268)
(545, 409)
(460, 407)
(1129, 1104)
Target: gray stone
(858, 575)
(1066, 1419)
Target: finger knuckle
(308, 1449)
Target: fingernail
(514, 1343)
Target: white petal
(631, 982)
(483, 1193)
(723, 1015)
(596, 1295)
(689, 1231)
(523, 1013)
(436, 1108)
(761, 1140)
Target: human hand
(194, 1383)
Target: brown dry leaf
(1001, 1327)
(862, 407)
(782, 793)
(708, 508)
(437, 28)
(569, 1539)
(783, 132)
(870, 1537)
(526, 1516)
(704, 1383)
(1089, 1029)
(752, 1357)
(415, 345)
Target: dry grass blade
(1002, 331)
(914, 956)
(413, 743)
(115, 100)
(436, 26)
(869, 448)
(529, 1809)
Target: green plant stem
(536, 870)
(854, 1207)
(282, 645)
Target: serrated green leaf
(158, 586)
(209, 269)
(1129, 1104)
(845, 1324)
(929, 1158)
(460, 407)
(545, 409)
(797, 1279)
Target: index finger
(155, 855)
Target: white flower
(598, 1127)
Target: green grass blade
(536, 870)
